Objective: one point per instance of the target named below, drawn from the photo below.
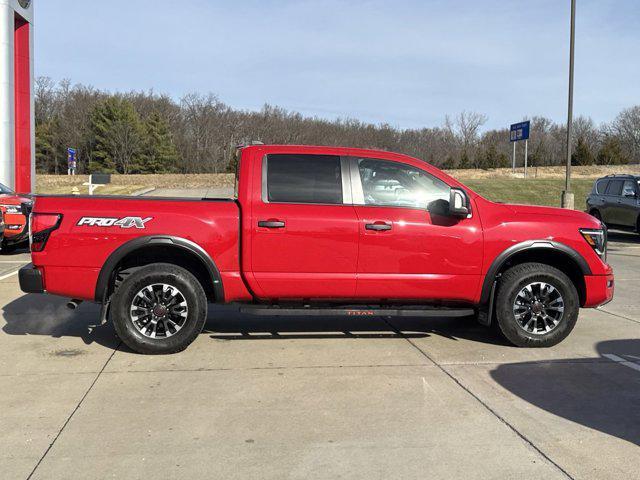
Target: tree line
(146, 132)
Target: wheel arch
(555, 254)
(161, 249)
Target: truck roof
(319, 149)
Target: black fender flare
(499, 261)
(106, 272)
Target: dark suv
(615, 199)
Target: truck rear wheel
(536, 305)
(160, 308)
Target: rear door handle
(377, 226)
(271, 224)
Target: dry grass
(127, 184)
(591, 172)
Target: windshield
(4, 190)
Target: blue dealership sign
(519, 131)
(71, 159)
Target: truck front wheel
(160, 308)
(536, 305)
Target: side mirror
(458, 203)
(629, 193)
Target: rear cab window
(296, 178)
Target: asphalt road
(318, 398)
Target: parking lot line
(622, 361)
(492, 411)
(3, 277)
(73, 412)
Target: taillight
(40, 227)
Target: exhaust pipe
(73, 304)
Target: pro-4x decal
(125, 222)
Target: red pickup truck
(325, 231)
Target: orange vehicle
(16, 231)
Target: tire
(596, 214)
(540, 324)
(174, 291)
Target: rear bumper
(30, 279)
(599, 290)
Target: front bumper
(599, 290)
(30, 279)
(11, 237)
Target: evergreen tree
(233, 164)
(582, 154)
(611, 153)
(159, 154)
(464, 160)
(46, 160)
(117, 136)
(491, 158)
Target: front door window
(394, 184)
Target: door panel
(313, 255)
(422, 256)
(613, 200)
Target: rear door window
(615, 187)
(294, 178)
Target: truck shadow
(39, 315)
(47, 315)
(601, 393)
(227, 323)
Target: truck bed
(93, 227)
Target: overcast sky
(407, 63)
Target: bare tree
(627, 128)
(205, 132)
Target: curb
(144, 191)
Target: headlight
(12, 208)
(597, 239)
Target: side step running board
(360, 312)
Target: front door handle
(271, 224)
(378, 226)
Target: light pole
(568, 200)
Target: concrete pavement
(274, 398)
